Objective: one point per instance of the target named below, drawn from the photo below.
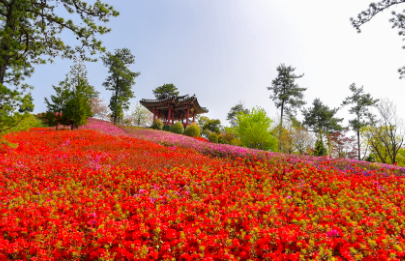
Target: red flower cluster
(82, 195)
(201, 139)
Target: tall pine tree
(71, 105)
(287, 95)
(120, 81)
(361, 103)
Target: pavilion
(172, 107)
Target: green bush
(177, 128)
(320, 149)
(29, 122)
(229, 136)
(213, 137)
(167, 128)
(370, 158)
(157, 125)
(193, 130)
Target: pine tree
(287, 95)
(120, 81)
(55, 107)
(233, 113)
(71, 105)
(362, 101)
(165, 90)
(321, 118)
(30, 33)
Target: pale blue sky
(227, 51)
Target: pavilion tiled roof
(177, 102)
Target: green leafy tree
(73, 97)
(165, 90)
(141, 116)
(385, 135)
(120, 81)
(28, 104)
(321, 119)
(254, 130)
(30, 34)
(202, 120)
(10, 100)
(397, 20)
(233, 113)
(287, 95)
(212, 125)
(361, 103)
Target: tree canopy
(120, 80)
(254, 130)
(234, 111)
(164, 90)
(30, 33)
(211, 125)
(321, 118)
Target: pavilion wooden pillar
(168, 116)
(188, 115)
(193, 117)
(172, 118)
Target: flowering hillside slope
(85, 195)
(225, 150)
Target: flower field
(105, 195)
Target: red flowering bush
(201, 139)
(83, 195)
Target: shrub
(370, 158)
(320, 149)
(30, 121)
(229, 136)
(157, 125)
(193, 130)
(213, 137)
(177, 128)
(167, 128)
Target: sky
(227, 51)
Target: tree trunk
(358, 144)
(10, 23)
(281, 126)
(116, 101)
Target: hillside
(104, 193)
